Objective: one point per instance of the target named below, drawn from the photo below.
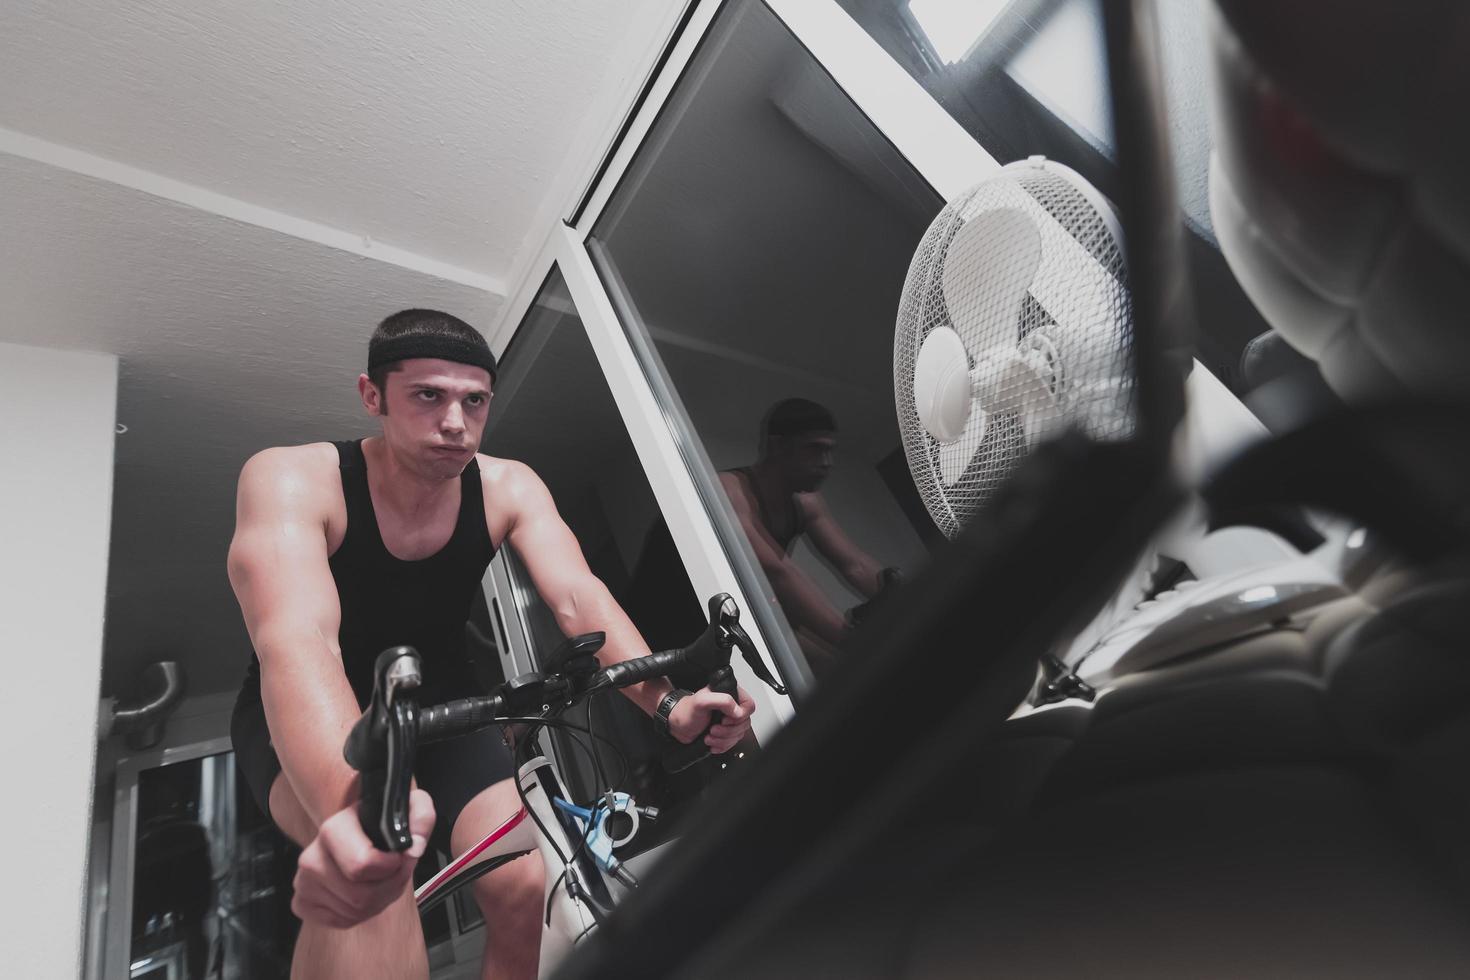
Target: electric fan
(1014, 325)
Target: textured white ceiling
(188, 145)
(433, 126)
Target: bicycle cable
(522, 756)
(536, 723)
(526, 805)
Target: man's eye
(476, 400)
(428, 396)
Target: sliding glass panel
(553, 411)
(756, 249)
(211, 886)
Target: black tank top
(798, 521)
(387, 601)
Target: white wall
(57, 412)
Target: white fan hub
(942, 385)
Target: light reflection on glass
(954, 27)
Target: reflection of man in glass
(777, 500)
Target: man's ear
(372, 398)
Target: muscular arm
(855, 564)
(578, 599)
(278, 567)
(803, 602)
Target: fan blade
(954, 457)
(989, 266)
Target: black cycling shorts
(452, 772)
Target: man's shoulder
(810, 503)
(291, 469)
(732, 483)
(499, 471)
(512, 492)
(309, 458)
(509, 482)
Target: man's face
(436, 413)
(806, 458)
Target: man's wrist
(665, 707)
(646, 695)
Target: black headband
(436, 346)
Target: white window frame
(920, 129)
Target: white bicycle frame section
(570, 917)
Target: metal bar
(1158, 276)
(627, 124)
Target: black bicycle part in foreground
(382, 747)
(383, 743)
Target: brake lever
(382, 746)
(753, 658)
(725, 615)
(383, 807)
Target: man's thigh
(455, 773)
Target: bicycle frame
(570, 918)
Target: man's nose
(453, 418)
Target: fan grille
(1030, 262)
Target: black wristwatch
(666, 707)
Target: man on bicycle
(341, 550)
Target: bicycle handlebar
(383, 742)
(461, 717)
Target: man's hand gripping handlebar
(710, 655)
